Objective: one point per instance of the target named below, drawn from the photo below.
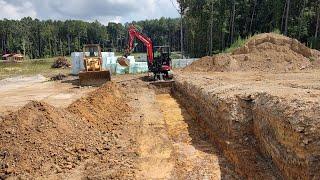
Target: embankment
(263, 135)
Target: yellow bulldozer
(93, 73)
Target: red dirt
(264, 52)
(41, 140)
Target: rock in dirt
(263, 52)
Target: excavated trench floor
(195, 156)
(232, 126)
(171, 143)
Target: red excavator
(158, 57)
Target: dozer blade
(94, 78)
(123, 61)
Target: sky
(105, 11)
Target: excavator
(158, 57)
(93, 73)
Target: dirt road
(18, 91)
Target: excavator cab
(162, 62)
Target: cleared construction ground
(230, 116)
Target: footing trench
(262, 136)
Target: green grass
(238, 43)
(30, 67)
(242, 41)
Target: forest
(208, 27)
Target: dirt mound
(104, 106)
(264, 52)
(40, 139)
(61, 62)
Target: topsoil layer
(264, 52)
(41, 140)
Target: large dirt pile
(103, 109)
(41, 140)
(264, 52)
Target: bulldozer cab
(92, 51)
(93, 74)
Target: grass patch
(238, 43)
(30, 67)
(312, 59)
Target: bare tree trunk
(232, 21)
(69, 47)
(282, 18)
(318, 23)
(301, 16)
(24, 47)
(211, 31)
(181, 33)
(50, 47)
(61, 48)
(79, 48)
(252, 16)
(287, 18)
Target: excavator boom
(160, 66)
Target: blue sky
(89, 10)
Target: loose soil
(131, 130)
(89, 136)
(264, 52)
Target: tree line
(208, 27)
(50, 38)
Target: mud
(264, 52)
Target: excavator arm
(160, 65)
(134, 33)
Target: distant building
(13, 57)
(6, 57)
(18, 58)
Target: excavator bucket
(94, 78)
(123, 61)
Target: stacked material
(109, 61)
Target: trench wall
(263, 136)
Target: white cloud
(11, 11)
(89, 10)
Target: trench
(190, 133)
(195, 156)
(233, 139)
(201, 150)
